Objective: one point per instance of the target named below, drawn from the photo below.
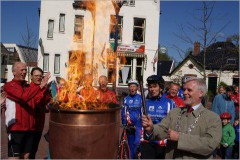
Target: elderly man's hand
(173, 135)
(147, 124)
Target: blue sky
(174, 13)
(180, 13)
(14, 17)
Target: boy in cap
(228, 136)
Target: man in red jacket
(105, 95)
(40, 102)
(19, 113)
(235, 98)
(173, 91)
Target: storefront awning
(131, 54)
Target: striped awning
(129, 54)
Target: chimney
(228, 39)
(196, 50)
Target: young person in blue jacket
(158, 107)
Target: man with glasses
(40, 102)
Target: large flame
(88, 60)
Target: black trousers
(152, 151)
(36, 140)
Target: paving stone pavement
(43, 145)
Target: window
(139, 70)
(78, 28)
(139, 30)
(62, 23)
(112, 27)
(236, 81)
(4, 60)
(57, 64)
(125, 74)
(46, 62)
(231, 61)
(50, 28)
(11, 49)
(212, 85)
(132, 3)
(131, 68)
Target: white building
(222, 65)
(66, 29)
(17, 53)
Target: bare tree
(29, 40)
(204, 32)
(235, 39)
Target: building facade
(67, 28)
(16, 53)
(222, 65)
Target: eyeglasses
(40, 76)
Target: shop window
(125, 74)
(131, 68)
(139, 69)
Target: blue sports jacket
(180, 93)
(132, 104)
(159, 108)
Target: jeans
(226, 152)
(236, 150)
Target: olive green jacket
(200, 142)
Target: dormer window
(11, 49)
(231, 61)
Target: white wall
(225, 76)
(62, 42)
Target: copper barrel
(86, 134)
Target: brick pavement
(43, 145)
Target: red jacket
(19, 105)
(40, 101)
(179, 101)
(107, 96)
(235, 98)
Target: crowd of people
(176, 123)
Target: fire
(84, 68)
